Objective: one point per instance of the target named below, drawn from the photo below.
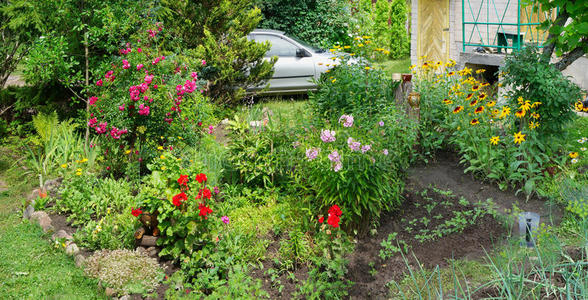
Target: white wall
(579, 72)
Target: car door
(291, 72)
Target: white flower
(581, 141)
(583, 148)
(574, 160)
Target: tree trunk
(561, 19)
(570, 57)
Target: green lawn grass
(30, 268)
(395, 66)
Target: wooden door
(433, 29)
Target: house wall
(486, 14)
(578, 72)
(485, 11)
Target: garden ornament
(528, 224)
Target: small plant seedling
(463, 201)
(373, 271)
(425, 221)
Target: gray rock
(28, 212)
(80, 260)
(72, 249)
(33, 195)
(125, 297)
(141, 249)
(110, 292)
(62, 234)
(152, 252)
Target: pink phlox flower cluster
(337, 166)
(381, 123)
(334, 156)
(99, 82)
(385, 151)
(347, 120)
(126, 64)
(148, 79)
(194, 75)
(139, 67)
(312, 153)
(143, 110)
(121, 108)
(210, 129)
(92, 100)
(366, 148)
(353, 145)
(328, 136)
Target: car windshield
(307, 45)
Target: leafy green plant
(295, 250)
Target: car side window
(280, 47)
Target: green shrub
(353, 88)
(531, 78)
(319, 22)
(357, 166)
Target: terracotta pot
(406, 77)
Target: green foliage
(320, 22)
(216, 31)
(533, 79)
(295, 250)
(571, 33)
(326, 278)
(360, 169)
(18, 29)
(101, 207)
(59, 54)
(385, 21)
(353, 89)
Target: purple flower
(381, 123)
(225, 219)
(347, 120)
(385, 151)
(327, 136)
(216, 190)
(353, 145)
(296, 144)
(312, 153)
(334, 156)
(338, 166)
(366, 148)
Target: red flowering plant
(146, 99)
(184, 204)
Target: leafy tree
(76, 37)
(216, 31)
(399, 42)
(18, 28)
(568, 32)
(319, 22)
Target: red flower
(136, 212)
(333, 220)
(205, 193)
(335, 210)
(179, 198)
(204, 210)
(321, 219)
(183, 180)
(201, 178)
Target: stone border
(42, 219)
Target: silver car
(298, 63)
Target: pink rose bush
(145, 100)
